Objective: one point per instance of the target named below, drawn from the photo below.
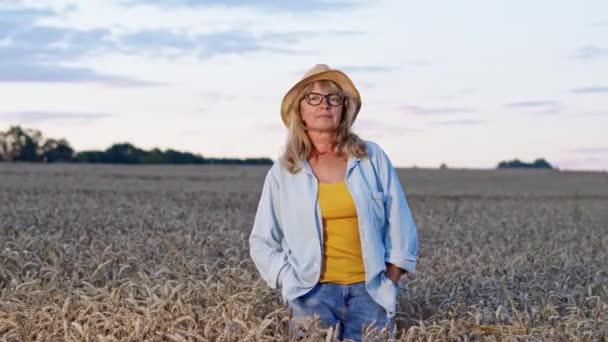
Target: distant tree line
(23, 144)
(516, 163)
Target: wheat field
(160, 253)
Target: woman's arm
(393, 272)
(266, 236)
(400, 239)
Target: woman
(333, 227)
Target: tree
(124, 153)
(155, 156)
(3, 147)
(516, 163)
(176, 157)
(541, 163)
(18, 144)
(57, 151)
(91, 157)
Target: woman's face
(324, 116)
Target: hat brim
(353, 103)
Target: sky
(466, 83)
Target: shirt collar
(352, 161)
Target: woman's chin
(323, 128)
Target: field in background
(114, 252)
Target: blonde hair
(299, 147)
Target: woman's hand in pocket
(393, 273)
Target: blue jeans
(350, 305)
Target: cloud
(591, 90)
(21, 15)
(590, 150)
(591, 52)
(14, 20)
(158, 39)
(600, 24)
(542, 107)
(418, 110)
(457, 123)
(263, 5)
(381, 128)
(47, 45)
(203, 46)
(532, 104)
(40, 53)
(292, 37)
(32, 51)
(233, 42)
(44, 116)
(377, 68)
(33, 72)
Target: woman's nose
(324, 102)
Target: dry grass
(124, 253)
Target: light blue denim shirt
(286, 242)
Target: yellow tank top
(342, 259)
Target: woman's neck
(323, 142)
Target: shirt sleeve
(400, 238)
(266, 235)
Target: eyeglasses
(315, 99)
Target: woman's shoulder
(376, 155)
(373, 149)
(275, 169)
(278, 171)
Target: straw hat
(317, 73)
